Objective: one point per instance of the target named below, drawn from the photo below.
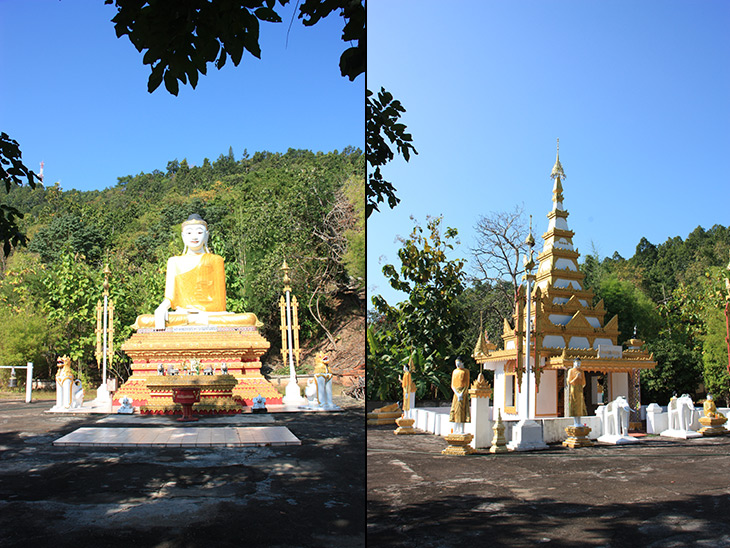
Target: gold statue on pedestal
(191, 323)
(195, 286)
(713, 421)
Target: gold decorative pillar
(290, 319)
(105, 330)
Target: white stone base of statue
(293, 394)
(63, 395)
(617, 439)
(526, 436)
(680, 434)
(103, 397)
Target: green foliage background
(261, 210)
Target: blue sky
(75, 96)
(637, 92)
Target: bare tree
(500, 240)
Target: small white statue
(615, 419)
(126, 407)
(77, 395)
(323, 378)
(64, 380)
(681, 415)
(310, 391)
(259, 404)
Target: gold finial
(558, 167)
(285, 268)
(530, 241)
(106, 273)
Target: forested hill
(303, 207)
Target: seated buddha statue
(710, 409)
(195, 286)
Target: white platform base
(681, 434)
(615, 439)
(293, 395)
(527, 436)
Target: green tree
(73, 290)
(678, 371)
(430, 321)
(715, 357)
(633, 307)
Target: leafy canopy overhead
(12, 173)
(181, 37)
(382, 115)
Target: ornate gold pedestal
(578, 437)
(458, 444)
(384, 415)
(713, 426)
(216, 394)
(239, 349)
(405, 426)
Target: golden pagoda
(565, 327)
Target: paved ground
(288, 496)
(659, 493)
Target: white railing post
(29, 383)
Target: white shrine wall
(618, 385)
(558, 222)
(547, 395)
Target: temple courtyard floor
(657, 493)
(224, 484)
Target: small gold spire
(530, 241)
(558, 169)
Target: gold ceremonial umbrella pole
(293, 393)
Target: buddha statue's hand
(162, 314)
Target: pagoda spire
(557, 174)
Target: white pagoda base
(526, 436)
(680, 434)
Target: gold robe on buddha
(202, 288)
(460, 411)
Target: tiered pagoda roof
(566, 325)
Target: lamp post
(529, 263)
(527, 434)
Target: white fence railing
(29, 378)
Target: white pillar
(481, 423)
(29, 382)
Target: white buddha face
(195, 237)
